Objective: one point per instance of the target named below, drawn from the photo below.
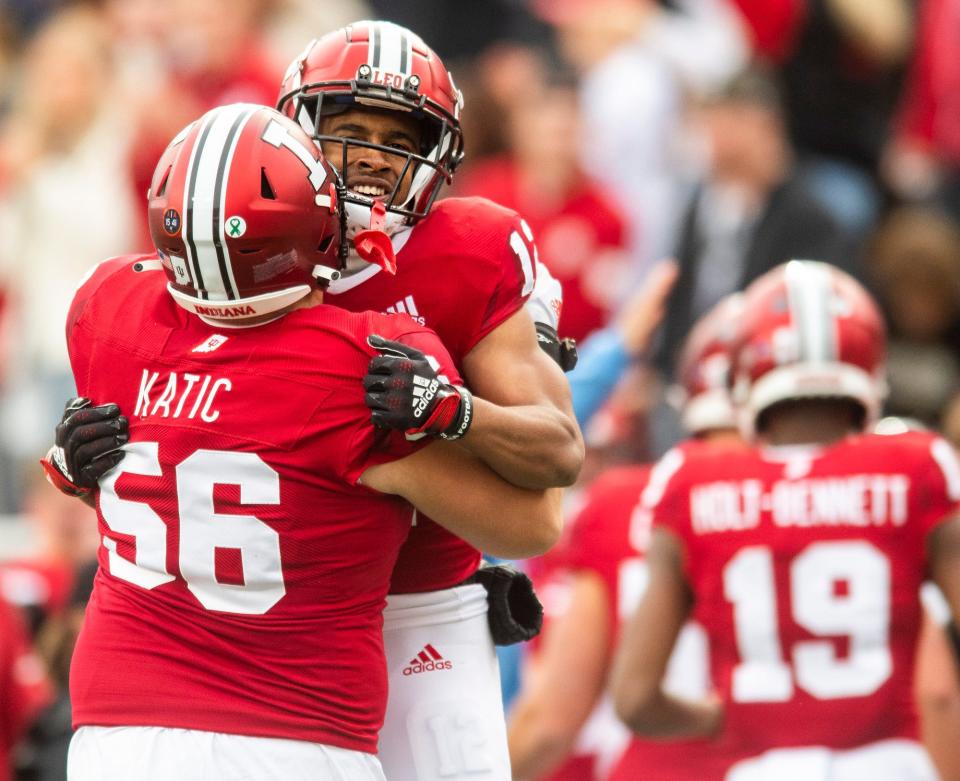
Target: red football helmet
(381, 65)
(808, 330)
(704, 368)
(243, 210)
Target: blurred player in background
(802, 557)
(24, 688)
(251, 528)
(561, 727)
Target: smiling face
(371, 172)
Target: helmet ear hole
(163, 185)
(266, 189)
(325, 243)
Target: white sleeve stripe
(89, 273)
(660, 475)
(935, 603)
(946, 458)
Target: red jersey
(461, 271)
(806, 565)
(610, 535)
(595, 539)
(609, 538)
(243, 570)
(24, 689)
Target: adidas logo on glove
(423, 392)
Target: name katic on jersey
(854, 500)
(183, 396)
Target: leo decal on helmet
(256, 209)
(808, 330)
(380, 65)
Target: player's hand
(405, 393)
(88, 442)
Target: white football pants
(444, 711)
(885, 760)
(164, 754)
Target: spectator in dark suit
(750, 212)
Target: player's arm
(938, 701)
(528, 436)
(943, 549)
(565, 684)
(458, 491)
(640, 662)
(937, 690)
(523, 426)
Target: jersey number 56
(202, 529)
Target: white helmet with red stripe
(703, 370)
(808, 330)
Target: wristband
(55, 467)
(461, 425)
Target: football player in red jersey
(562, 727)
(386, 110)
(802, 556)
(251, 528)
(387, 114)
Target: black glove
(563, 351)
(88, 442)
(404, 393)
(514, 613)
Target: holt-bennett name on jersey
(188, 396)
(856, 500)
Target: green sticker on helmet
(235, 227)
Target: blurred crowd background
(728, 134)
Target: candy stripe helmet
(703, 370)
(808, 330)
(243, 210)
(381, 65)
